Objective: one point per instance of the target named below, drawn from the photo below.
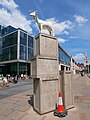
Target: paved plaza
(19, 107)
(13, 89)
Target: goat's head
(33, 14)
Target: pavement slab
(83, 116)
(19, 107)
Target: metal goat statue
(41, 23)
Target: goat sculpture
(42, 24)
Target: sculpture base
(45, 95)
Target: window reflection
(9, 40)
(30, 41)
(26, 51)
(63, 58)
(30, 53)
(10, 53)
(23, 38)
(9, 47)
(23, 52)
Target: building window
(63, 58)
(23, 38)
(9, 40)
(23, 52)
(30, 53)
(10, 53)
(13, 52)
(30, 41)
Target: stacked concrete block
(66, 88)
(45, 94)
(46, 45)
(44, 67)
(44, 71)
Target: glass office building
(64, 59)
(16, 50)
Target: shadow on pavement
(31, 100)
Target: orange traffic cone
(60, 103)
(60, 110)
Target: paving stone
(16, 115)
(3, 118)
(83, 116)
(88, 115)
(5, 112)
(22, 108)
(31, 117)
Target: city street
(13, 89)
(18, 106)
(81, 89)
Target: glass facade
(13, 68)
(63, 57)
(23, 46)
(16, 50)
(23, 38)
(0, 30)
(30, 41)
(23, 52)
(7, 30)
(26, 46)
(30, 47)
(9, 47)
(0, 49)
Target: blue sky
(70, 21)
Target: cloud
(60, 27)
(79, 56)
(10, 4)
(80, 19)
(73, 37)
(65, 32)
(10, 15)
(60, 40)
(76, 49)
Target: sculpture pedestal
(45, 72)
(66, 89)
(45, 95)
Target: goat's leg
(41, 27)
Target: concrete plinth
(66, 88)
(45, 72)
(44, 67)
(45, 95)
(46, 45)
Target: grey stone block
(44, 67)
(45, 95)
(66, 89)
(46, 45)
